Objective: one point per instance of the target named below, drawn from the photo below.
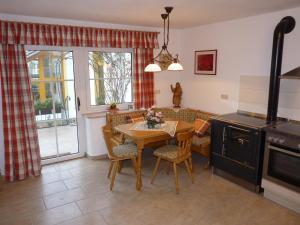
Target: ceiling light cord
(165, 31)
(168, 29)
(174, 66)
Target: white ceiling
(186, 13)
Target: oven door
(282, 166)
(240, 145)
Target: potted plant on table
(113, 107)
(153, 118)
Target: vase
(151, 124)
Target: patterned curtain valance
(63, 35)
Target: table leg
(139, 184)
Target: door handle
(78, 103)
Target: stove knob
(281, 141)
(276, 140)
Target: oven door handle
(284, 151)
(238, 128)
(223, 141)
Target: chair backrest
(107, 137)
(184, 142)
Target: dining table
(145, 137)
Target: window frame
(121, 106)
(79, 88)
(81, 73)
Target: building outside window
(33, 67)
(47, 66)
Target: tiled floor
(77, 193)
(66, 136)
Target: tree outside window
(110, 77)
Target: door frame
(79, 87)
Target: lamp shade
(152, 67)
(175, 66)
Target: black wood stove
(237, 148)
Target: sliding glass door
(53, 89)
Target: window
(110, 77)
(47, 66)
(33, 67)
(48, 90)
(54, 97)
(35, 91)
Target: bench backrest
(117, 118)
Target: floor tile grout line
(44, 203)
(76, 203)
(66, 203)
(65, 185)
(74, 218)
(105, 221)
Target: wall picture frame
(206, 62)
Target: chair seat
(128, 150)
(167, 152)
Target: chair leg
(110, 168)
(191, 164)
(176, 178)
(120, 166)
(134, 163)
(207, 165)
(114, 171)
(189, 170)
(155, 169)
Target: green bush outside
(45, 107)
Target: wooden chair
(176, 154)
(117, 153)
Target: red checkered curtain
(22, 154)
(143, 83)
(12, 32)
(142, 42)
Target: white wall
(95, 140)
(244, 49)
(253, 96)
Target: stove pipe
(286, 25)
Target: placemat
(168, 127)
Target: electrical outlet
(224, 96)
(156, 92)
